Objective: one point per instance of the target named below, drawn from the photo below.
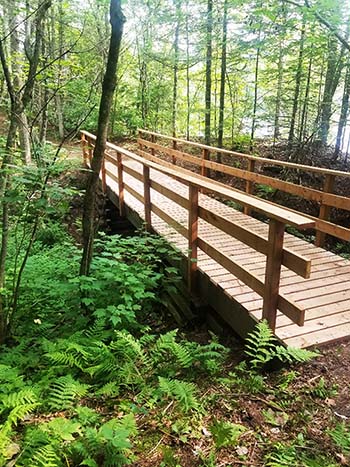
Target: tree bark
(256, 87)
(334, 67)
(209, 34)
(176, 67)
(298, 76)
(109, 83)
(222, 80)
(344, 112)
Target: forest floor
(292, 416)
(289, 415)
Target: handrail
(272, 247)
(263, 160)
(326, 198)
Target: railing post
(153, 140)
(205, 157)
(103, 175)
(273, 271)
(83, 146)
(90, 150)
(249, 185)
(120, 185)
(192, 238)
(173, 158)
(147, 197)
(324, 210)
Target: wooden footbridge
(244, 268)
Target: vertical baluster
(249, 185)
(103, 175)
(325, 210)
(273, 271)
(147, 198)
(173, 157)
(83, 146)
(90, 149)
(153, 140)
(205, 157)
(120, 185)
(192, 237)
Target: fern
(65, 391)
(226, 433)
(262, 347)
(46, 457)
(282, 455)
(341, 437)
(110, 445)
(181, 391)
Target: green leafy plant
(226, 433)
(262, 347)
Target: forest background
(228, 71)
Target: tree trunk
(298, 77)
(256, 87)
(302, 129)
(222, 80)
(344, 111)
(176, 67)
(188, 97)
(209, 33)
(334, 68)
(277, 130)
(109, 83)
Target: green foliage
(341, 437)
(226, 433)
(181, 391)
(64, 392)
(261, 348)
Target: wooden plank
(176, 197)
(170, 221)
(147, 198)
(192, 238)
(293, 311)
(311, 194)
(120, 185)
(134, 193)
(261, 160)
(325, 210)
(291, 260)
(336, 333)
(133, 173)
(292, 218)
(249, 184)
(273, 272)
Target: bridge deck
(325, 295)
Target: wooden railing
(326, 199)
(121, 161)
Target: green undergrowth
(86, 381)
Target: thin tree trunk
(302, 129)
(256, 87)
(109, 83)
(344, 111)
(188, 97)
(209, 34)
(176, 67)
(222, 80)
(277, 130)
(298, 77)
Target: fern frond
(183, 392)
(293, 354)
(65, 391)
(46, 457)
